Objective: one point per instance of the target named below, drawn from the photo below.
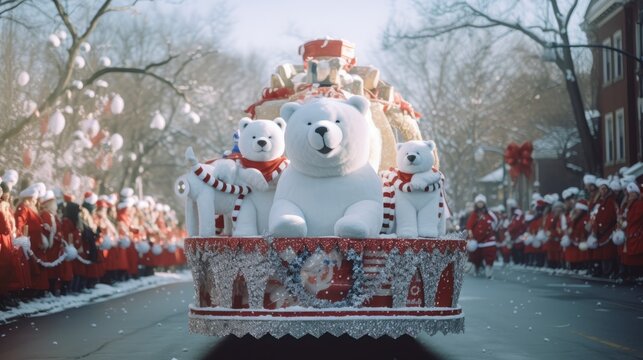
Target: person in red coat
(90, 239)
(555, 232)
(516, 228)
(577, 255)
(125, 232)
(481, 226)
(72, 227)
(10, 279)
(633, 228)
(28, 224)
(604, 252)
(52, 233)
(591, 191)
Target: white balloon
(56, 123)
(54, 40)
(195, 117)
(28, 107)
(116, 141)
(77, 84)
(85, 47)
(62, 34)
(158, 121)
(90, 93)
(68, 109)
(102, 83)
(105, 61)
(23, 78)
(117, 104)
(186, 108)
(79, 62)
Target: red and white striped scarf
(218, 184)
(398, 180)
(270, 169)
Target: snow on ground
(51, 304)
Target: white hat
(633, 188)
(49, 195)
(159, 207)
(582, 205)
(113, 199)
(480, 198)
(166, 208)
(536, 196)
(104, 198)
(30, 192)
(569, 192)
(41, 189)
(90, 198)
(615, 185)
(127, 192)
(557, 204)
(589, 179)
(10, 177)
(512, 203)
(143, 204)
(126, 203)
(549, 199)
(602, 182)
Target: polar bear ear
(288, 109)
(360, 103)
(430, 144)
(398, 146)
(244, 122)
(281, 123)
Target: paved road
(520, 314)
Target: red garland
(519, 158)
(269, 94)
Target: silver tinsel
(215, 268)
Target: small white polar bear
(419, 191)
(329, 187)
(261, 144)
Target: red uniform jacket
(482, 225)
(28, 216)
(634, 228)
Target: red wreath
(519, 159)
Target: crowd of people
(597, 229)
(52, 243)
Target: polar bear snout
(411, 158)
(324, 136)
(262, 144)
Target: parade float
(325, 223)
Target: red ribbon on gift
(519, 159)
(267, 95)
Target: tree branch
(65, 18)
(12, 4)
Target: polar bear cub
(329, 187)
(261, 144)
(419, 191)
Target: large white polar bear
(329, 187)
(420, 206)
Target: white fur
(329, 187)
(417, 213)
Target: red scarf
(270, 169)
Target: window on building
(620, 135)
(607, 63)
(609, 139)
(618, 57)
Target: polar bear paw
(254, 178)
(350, 227)
(225, 170)
(418, 183)
(289, 226)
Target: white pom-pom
(537, 243)
(107, 243)
(157, 249)
(54, 40)
(23, 78)
(171, 248)
(56, 123)
(124, 242)
(105, 61)
(90, 93)
(618, 237)
(79, 62)
(158, 121)
(117, 105)
(565, 241)
(472, 245)
(592, 242)
(529, 239)
(583, 246)
(102, 83)
(85, 47)
(186, 108)
(541, 236)
(143, 247)
(116, 142)
(62, 34)
(70, 253)
(195, 117)
(77, 84)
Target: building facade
(619, 97)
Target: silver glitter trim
(355, 327)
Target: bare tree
(443, 17)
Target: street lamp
(478, 156)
